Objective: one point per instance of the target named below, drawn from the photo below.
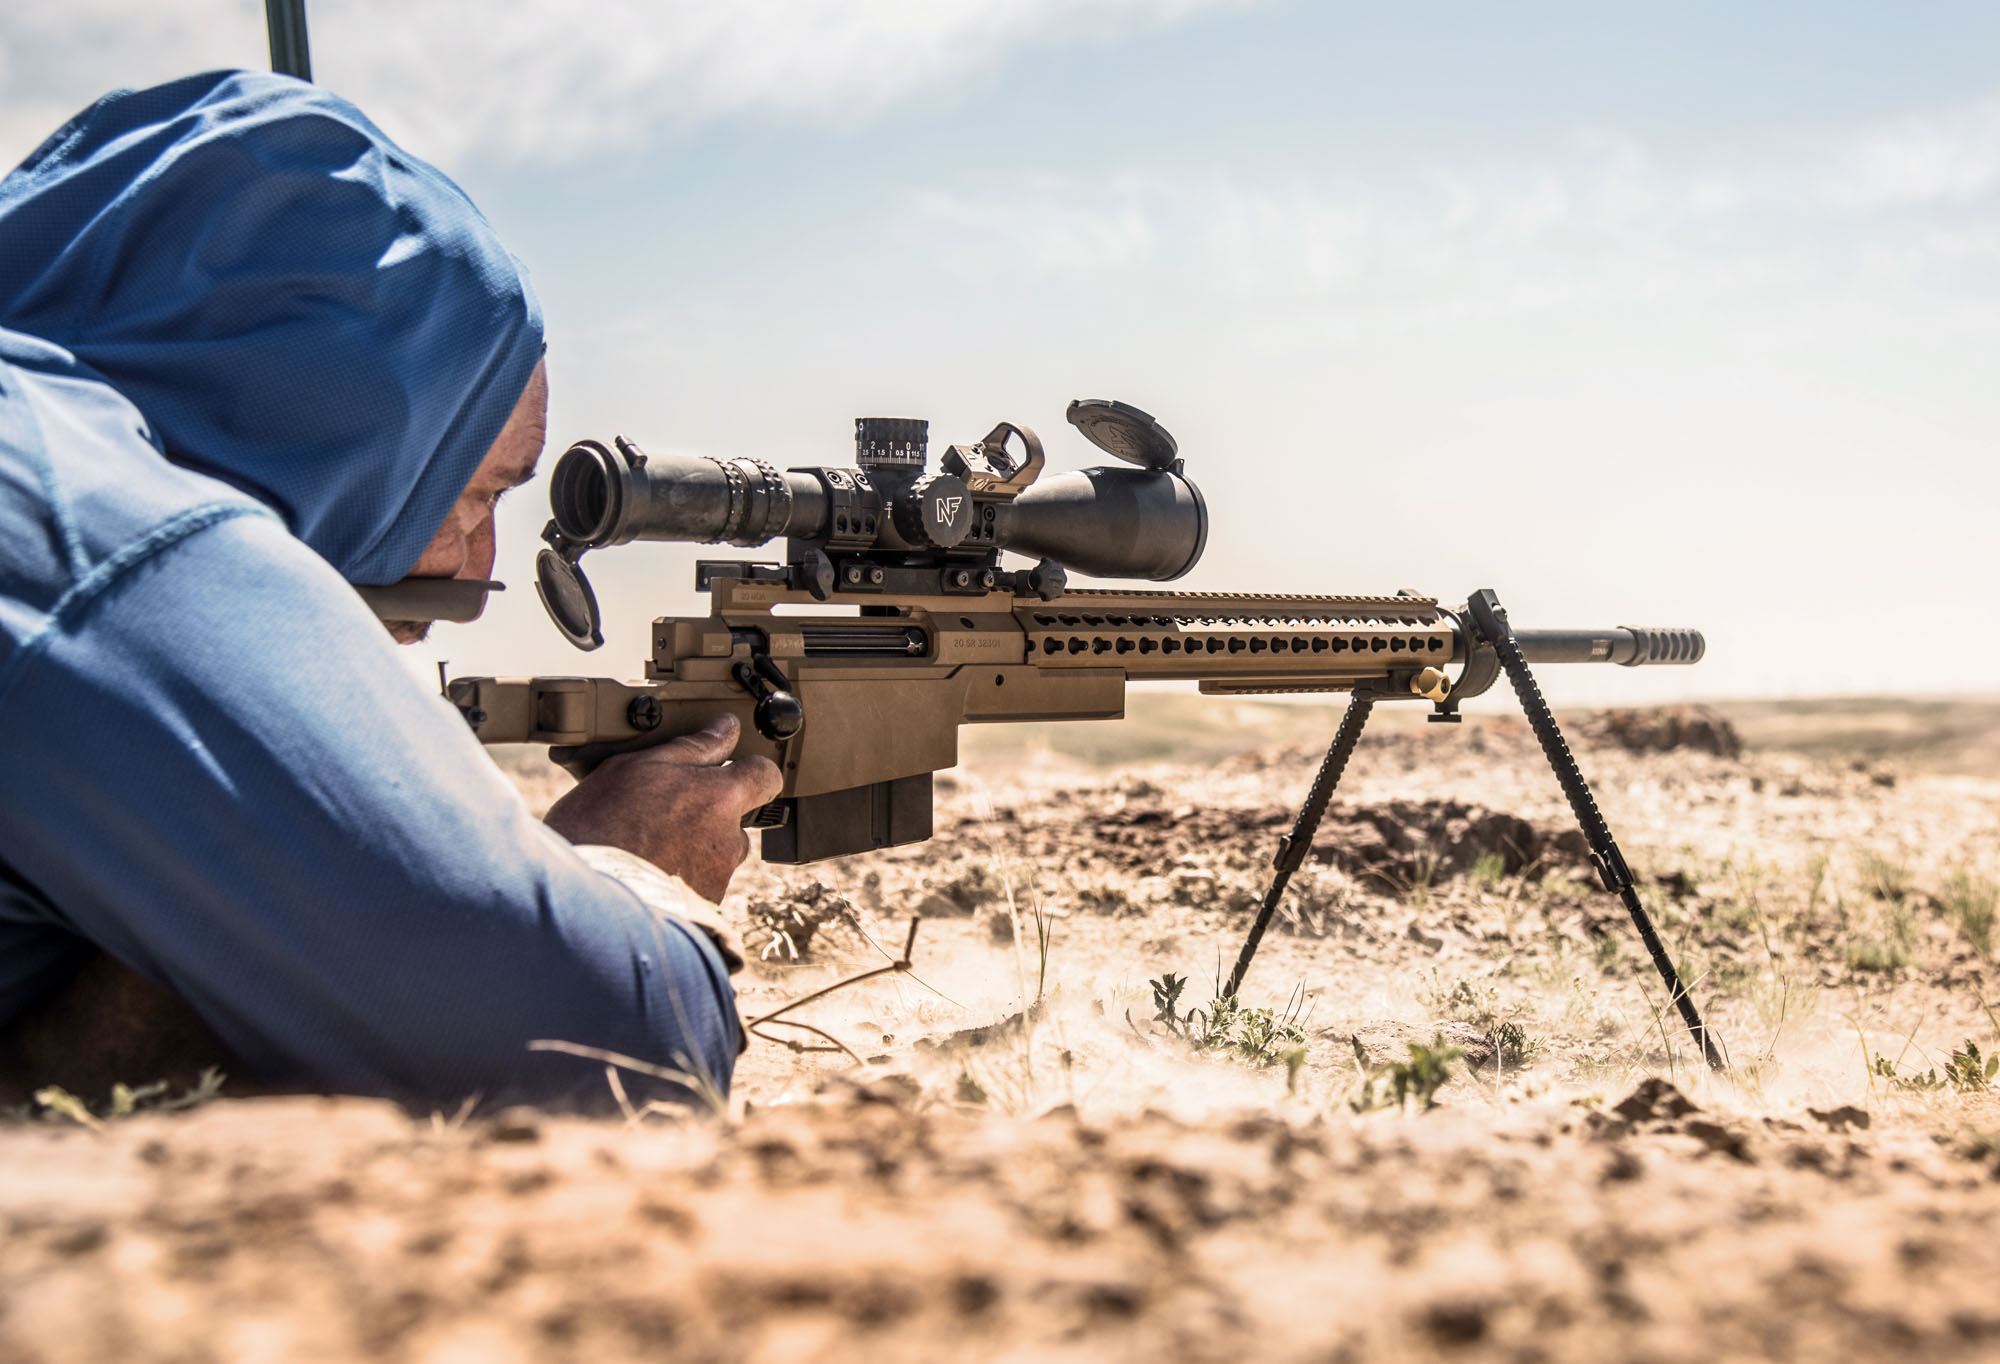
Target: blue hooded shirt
(250, 354)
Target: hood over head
(297, 306)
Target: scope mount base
(825, 576)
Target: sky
(1641, 313)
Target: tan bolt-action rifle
(892, 622)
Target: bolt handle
(778, 713)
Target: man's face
(463, 546)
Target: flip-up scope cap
(567, 596)
(1123, 430)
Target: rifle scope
(1146, 522)
(887, 522)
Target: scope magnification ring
(777, 498)
(739, 502)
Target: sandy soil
(1017, 1157)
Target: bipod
(1293, 847)
(1489, 618)
(1488, 623)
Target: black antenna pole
(286, 21)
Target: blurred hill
(1951, 735)
(1943, 735)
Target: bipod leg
(1490, 619)
(1293, 848)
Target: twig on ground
(615, 1061)
(901, 964)
(790, 1045)
(441, 1125)
(869, 938)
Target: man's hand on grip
(680, 805)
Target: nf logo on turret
(947, 509)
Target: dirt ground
(1454, 1118)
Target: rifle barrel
(1627, 645)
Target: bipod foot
(1489, 618)
(1293, 847)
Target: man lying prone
(252, 355)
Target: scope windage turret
(1109, 522)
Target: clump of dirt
(970, 888)
(783, 928)
(1402, 843)
(1666, 728)
(1391, 846)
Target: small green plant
(1884, 877)
(1421, 877)
(1888, 948)
(1395, 1085)
(1461, 999)
(1818, 870)
(1921, 1081)
(60, 1103)
(969, 1090)
(1489, 870)
(1968, 1072)
(1877, 954)
(1479, 1005)
(1295, 1065)
(1045, 929)
(53, 1101)
(1972, 903)
(1425, 1073)
(1560, 887)
(1258, 1035)
(1513, 1044)
(1607, 952)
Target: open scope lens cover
(1123, 430)
(567, 597)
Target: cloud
(1063, 232)
(546, 81)
(1945, 156)
(1600, 221)
(56, 58)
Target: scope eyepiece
(586, 494)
